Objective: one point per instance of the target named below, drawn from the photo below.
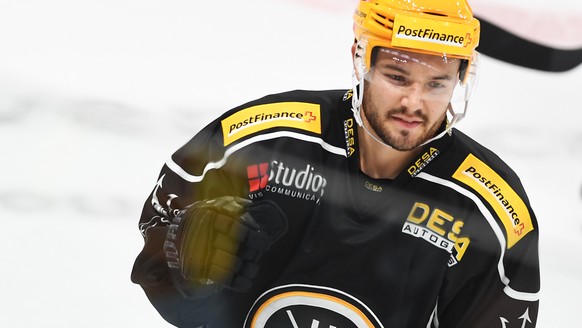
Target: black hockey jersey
(451, 242)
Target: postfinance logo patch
(304, 116)
(432, 35)
(509, 207)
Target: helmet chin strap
(357, 98)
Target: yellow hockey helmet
(446, 28)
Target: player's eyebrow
(445, 77)
(396, 68)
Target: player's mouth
(407, 122)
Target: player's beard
(400, 140)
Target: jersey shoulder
(301, 112)
(298, 114)
(469, 150)
(483, 176)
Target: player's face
(406, 96)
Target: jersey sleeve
(195, 172)
(504, 296)
(497, 282)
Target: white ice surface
(95, 94)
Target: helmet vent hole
(436, 14)
(383, 20)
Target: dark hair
(463, 69)
(373, 56)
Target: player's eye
(397, 79)
(436, 85)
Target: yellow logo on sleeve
(509, 207)
(304, 116)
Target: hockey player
(349, 208)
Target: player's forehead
(408, 60)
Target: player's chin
(405, 144)
(408, 140)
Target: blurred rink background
(96, 94)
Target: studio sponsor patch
(506, 203)
(302, 182)
(304, 116)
